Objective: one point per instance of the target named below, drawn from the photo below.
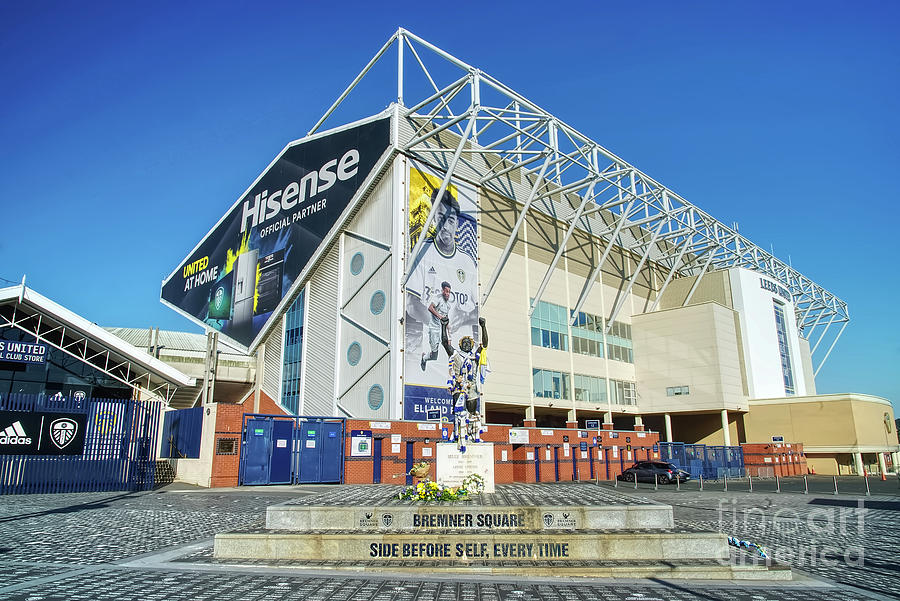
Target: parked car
(647, 471)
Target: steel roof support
(822, 335)
(699, 277)
(833, 342)
(633, 279)
(561, 249)
(589, 283)
(675, 264)
(516, 133)
(514, 235)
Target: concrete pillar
(725, 431)
(882, 465)
(571, 420)
(638, 424)
(668, 419)
(607, 421)
(857, 459)
(895, 459)
(530, 421)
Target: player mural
(443, 284)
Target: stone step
(681, 569)
(426, 518)
(467, 545)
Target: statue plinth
(453, 466)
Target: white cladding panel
(321, 337)
(363, 357)
(754, 301)
(273, 362)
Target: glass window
(622, 393)
(590, 389)
(293, 353)
(549, 327)
(783, 348)
(587, 334)
(550, 384)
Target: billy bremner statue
(468, 368)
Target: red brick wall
(629, 447)
(229, 421)
(787, 459)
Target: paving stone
(69, 532)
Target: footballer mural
(443, 282)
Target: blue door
(332, 438)
(537, 464)
(256, 452)
(556, 462)
(410, 449)
(280, 464)
(310, 452)
(376, 460)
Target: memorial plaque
(453, 466)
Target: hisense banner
(241, 270)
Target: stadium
(613, 303)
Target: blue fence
(119, 447)
(710, 461)
(181, 433)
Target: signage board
(37, 433)
(518, 436)
(778, 439)
(360, 443)
(22, 352)
(592, 424)
(239, 274)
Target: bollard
(635, 481)
(677, 481)
(835, 484)
(725, 479)
(655, 481)
(866, 478)
(777, 484)
(701, 481)
(750, 480)
(616, 482)
(805, 485)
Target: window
(293, 353)
(618, 342)
(678, 390)
(590, 389)
(587, 334)
(550, 327)
(783, 348)
(550, 384)
(622, 393)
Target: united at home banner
(240, 272)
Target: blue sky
(127, 130)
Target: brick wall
(607, 452)
(774, 459)
(229, 420)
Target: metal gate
(279, 449)
(119, 452)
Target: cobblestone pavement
(847, 539)
(139, 546)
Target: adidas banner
(41, 433)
